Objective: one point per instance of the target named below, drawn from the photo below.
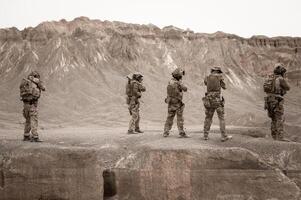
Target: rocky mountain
(84, 63)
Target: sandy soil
(96, 136)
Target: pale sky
(241, 17)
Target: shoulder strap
(27, 79)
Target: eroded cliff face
(109, 165)
(231, 173)
(50, 174)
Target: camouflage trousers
(30, 113)
(173, 110)
(134, 112)
(209, 112)
(275, 110)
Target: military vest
(214, 83)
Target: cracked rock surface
(109, 164)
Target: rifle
(129, 79)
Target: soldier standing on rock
(30, 92)
(276, 87)
(213, 101)
(174, 98)
(134, 91)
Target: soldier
(30, 92)
(174, 98)
(276, 87)
(213, 101)
(134, 91)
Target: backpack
(269, 84)
(129, 88)
(172, 90)
(29, 90)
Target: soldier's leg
(221, 116)
(131, 119)
(26, 115)
(273, 128)
(169, 121)
(135, 114)
(138, 117)
(279, 121)
(271, 114)
(137, 125)
(279, 127)
(180, 119)
(34, 121)
(208, 120)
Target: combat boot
(165, 134)
(138, 130)
(284, 140)
(274, 135)
(26, 138)
(225, 138)
(280, 137)
(131, 132)
(36, 140)
(205, 136)
(183, 135)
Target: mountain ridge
(63, 26)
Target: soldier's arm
(182, 86)
(41, 86)
(284, 84)
(205, 81)
(142, 88)
(223, 84)
(38, 82)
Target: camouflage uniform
(274, 106)
(30, 113)
(213, 101)
(175, 106)
(30, 110)
(134, 105)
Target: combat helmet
(279, 69)
(34, 74)
(137, 75)
(178, 73)
(216, 69)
